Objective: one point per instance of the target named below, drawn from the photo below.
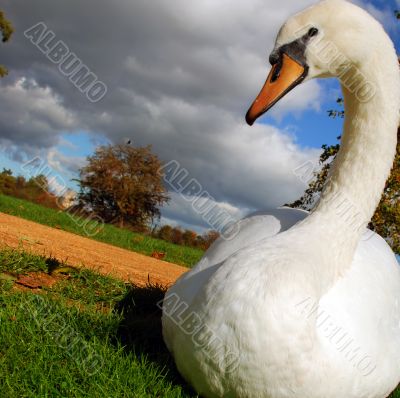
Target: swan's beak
(284, 76)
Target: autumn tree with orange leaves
(122, 185)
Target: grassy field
(87, 336)
(182, 255)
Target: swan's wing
(249, 230)
(253, 228)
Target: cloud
(61, 163)
(32, 115)
(185, 212)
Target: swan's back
(250, 230)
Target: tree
(386, 220)
(6, 30)
(177, 236)
(210, 237)
(7, 182)
(189, 238)
(122, 184)
(165, 233)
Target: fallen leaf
(158, 255)
(35, 280)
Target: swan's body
(306, 306)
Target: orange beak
(284, 76)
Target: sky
(176, 75)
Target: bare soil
(77, 251)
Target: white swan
(307, 308)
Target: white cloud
(61, 163)
(31, 114)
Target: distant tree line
(185, 237)
(35, 190)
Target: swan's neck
(364, 162)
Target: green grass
(87, 336)
(182, 255)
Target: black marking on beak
(278, 69)
(296, 50)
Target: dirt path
(78, 251)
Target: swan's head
(325, 40)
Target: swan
(298, 305)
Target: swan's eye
(313, 32)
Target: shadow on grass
(140, 330)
